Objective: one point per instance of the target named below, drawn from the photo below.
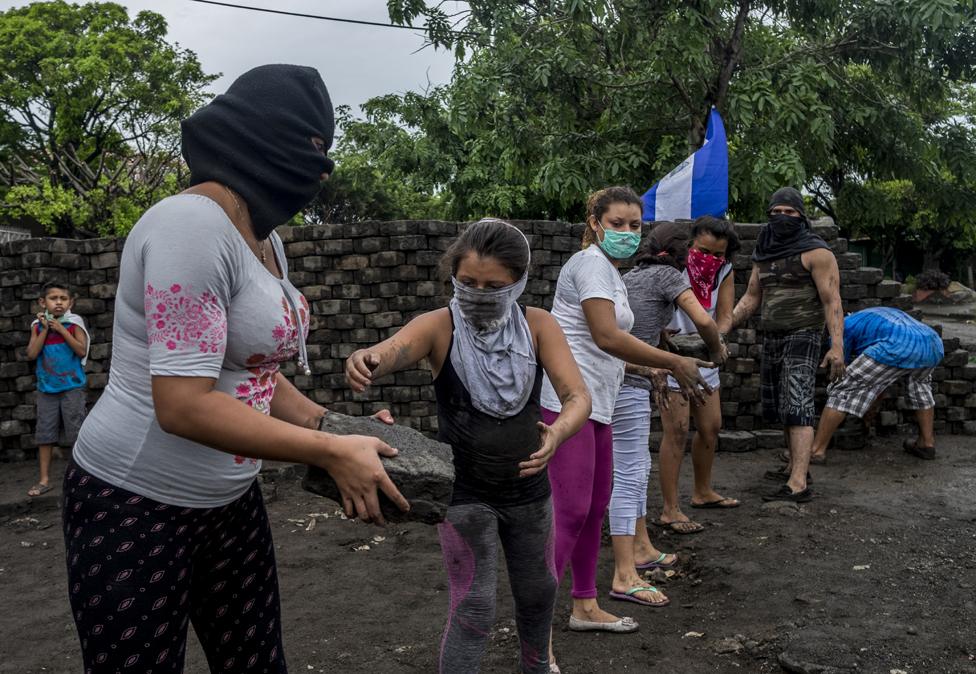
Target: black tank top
(487, 450)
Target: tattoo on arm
(401, 357)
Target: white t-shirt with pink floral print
(192, 301)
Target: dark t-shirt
(652, 291)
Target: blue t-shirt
(58, 366)
(891, 337)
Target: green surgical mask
(619, 245)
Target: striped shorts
(866, 379)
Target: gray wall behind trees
(366, 280)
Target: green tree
(383, 171)
(552, 98)
(90, 104)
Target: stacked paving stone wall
(366, 280)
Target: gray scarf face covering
(493, 353)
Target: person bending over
(883, 345)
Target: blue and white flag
(699, 185)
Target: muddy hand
(659, 388)
(358, 472)
(693, 386)
(540, 458)
(386, 416)
(359, 369)
(834, 362)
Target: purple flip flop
(629, 596)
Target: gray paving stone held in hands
(691, 346)
(423, 470)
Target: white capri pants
(631, 459)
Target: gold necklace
(262, 246)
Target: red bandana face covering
(702, 269)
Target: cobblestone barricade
(365, 280)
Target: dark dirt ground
(875, 575)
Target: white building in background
(8, 233)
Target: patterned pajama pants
(140, 571)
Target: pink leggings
(580, 474)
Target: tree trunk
(930, 259)
(696, 135)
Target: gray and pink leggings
(581, 477)
(469, 541)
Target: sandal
(39, 489)
(683, 528)
(658, 563)
(724, 502)
(630, 595)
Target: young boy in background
(59, 341)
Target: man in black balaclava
(796, 282)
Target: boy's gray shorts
(55, 410)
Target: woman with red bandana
(709, 271)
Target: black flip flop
(671, 526)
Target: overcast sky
(356, 62)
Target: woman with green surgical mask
(591, 306)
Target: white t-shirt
(192, 301)
(589, 275)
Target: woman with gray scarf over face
(487, 355)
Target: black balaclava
(786, 235)
(256, 139)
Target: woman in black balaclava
(163, 517)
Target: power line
(307, 16)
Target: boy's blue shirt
(59, 368)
